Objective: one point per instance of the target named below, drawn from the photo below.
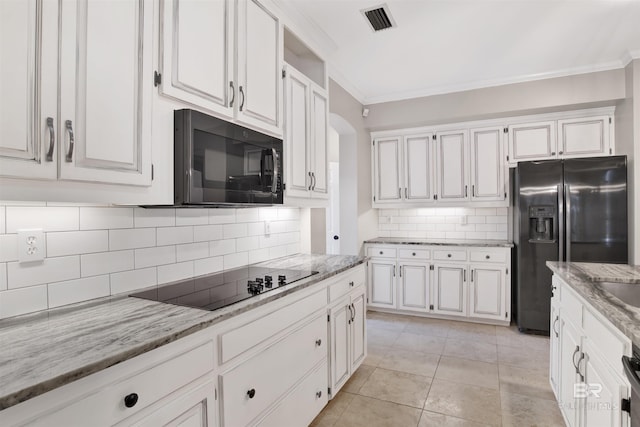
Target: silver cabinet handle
(394, 271)
(69, 126)
(464, 275)
(578, 370)
(313, 176)
(567, 196)
(318, 342)
(573, 358)
(350, 314)
(555, 322)
(406, 193)
(560, 222)
(354, 312)
(276, 171)
(351, 284)
(233, 94)
(318, 394)
(472, 271)
(52, 139)
(465, 190)
(310, 180)
(473, 190)
(241, 93)
(400, 271)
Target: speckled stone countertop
(440, 242)
(45, 350)
(623, 316)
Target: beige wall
(347, 107)
(557, 94)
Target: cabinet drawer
(420, 254)
(239, 340)
(107, 405)
(488, 256)
(610, 344)
(450, 255)
(571, 307)
(269, 374)
(346, 282)
(381, 252)
(303, 403)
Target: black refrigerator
(565, 210)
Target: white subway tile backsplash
(8, 247)
(173, 272)
(269, 241)
(222, 247)
(247, 215)
(222, 216)
(154, 217)
(21, 301)
(77, 242)
(192, 217)
(174, 235)
(288, 213)
(21, 275)
(49, 219)
(293, 249)
(277, 251)
(237, 259)
(132, 238)
(255, 228)
(502, 219)
(289, 238)
(105, 218)
(455, 235)
(407, 227)
(258, 255)
(106, 262)
(3, 220)
(72, 291)
(268, 214)
(3, 276)
(485, 227)
(230, 231)
(486, 211)
(247, 243)
(501, 227)
(129, 281)
(155, 256)
(476, 219)
(496, 235)
(207, 265)
(476, 235)
(192, 251)
(205, 233)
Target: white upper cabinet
(532, 141)
(487, 166)
(306, 111)
(386, 170)
(196, 60)
(28, 88)
(418, 172)
(584, 137)
(451, 166)
(105, 109)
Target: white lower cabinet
(454, 281)
(586, 369)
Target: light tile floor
(427, 372)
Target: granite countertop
(584, 278)
(441, 242)
(42, 351)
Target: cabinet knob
(414, 254)
(130, 400)
(318, 394)
(448, 255)
(381, 252)
(251, 393)
(560, 152)
(351, 284)
(318, 342)
(487, 257)
(553, 153)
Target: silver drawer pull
(69, 126)
(52, 139)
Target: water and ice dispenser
(541, 223)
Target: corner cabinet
(103, 131)
(306, 112)
(586, 371)
(468, 283)
(224, 57)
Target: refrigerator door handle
(567, 197)
(560, 222)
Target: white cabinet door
(386, 170)
(297, 134)
(259, 66)
(488, 289)
(318, 149)
(554, 348)
(358, 330)
(451, 165)
(450, 290)
(339, 357)
(105, 91)
(196, 59)
(584, 137)
(413, 287)
(487, 166)
(569, 355)
(382, 278)
(28, 88)
(195, 408)
(532, 141)
(418, 172)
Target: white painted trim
(339, 78)
(629, 56)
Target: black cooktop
(218, 290)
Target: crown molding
(338, 77)
(629, 56)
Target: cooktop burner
(218, 290)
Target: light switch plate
(267, 228)
(31, 245)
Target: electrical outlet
(30, 245)
(267, 228)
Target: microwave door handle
(274, 181)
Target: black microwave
(221, 163)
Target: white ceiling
(445, 46)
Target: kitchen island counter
(43, 351)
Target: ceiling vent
(379, 17)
